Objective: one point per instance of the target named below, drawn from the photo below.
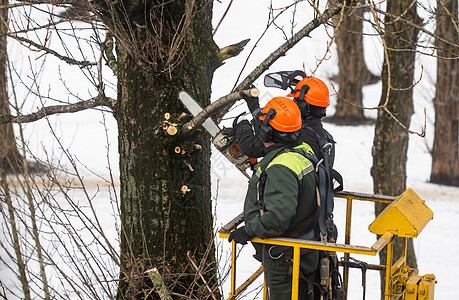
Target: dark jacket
(289, 197)
(311, 139)
(253, 147)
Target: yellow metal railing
(406, 216)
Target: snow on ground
(435, 247)
(84, 134)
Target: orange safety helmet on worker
(314, 92)
(279, 121)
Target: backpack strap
(323, 185)
(326, 145)
(262, 181)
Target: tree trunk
(9, 154)
(391, 140)
(353, 73)
(445, 153)
(165, 191)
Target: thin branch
(254, 47)
(304, 32)
(75, 3)
(16, 244)
(423, 129)
(281, 52)
(55, 23)
(221, 20)
(417, 26)
(386, 54)
(68, 60)
(229, 99)
(58, 109)
(195, 266)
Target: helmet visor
(283, 79)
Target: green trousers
(279, 280)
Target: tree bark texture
(445, 153)
(9, 154)
(391, 140)
(165, 193)
(353, 73)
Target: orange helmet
(286, 116)
(313, 90)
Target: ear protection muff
(303, 105)
(262, 128)
(303, 91)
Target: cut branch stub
(232, 50)
(171, 130)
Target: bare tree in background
(445, 152)
(353, 73)
(10, 158)
(391, 132)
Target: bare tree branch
(75, 3)
(16, 244)
(281, 52)
(223, 17)
(58, 109)
(419, 27)
(198, 271)
(68, 60)
(304, 32)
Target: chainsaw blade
(224, 143)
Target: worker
(312, 97)
(281, 195)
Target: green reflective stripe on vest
(296, 162)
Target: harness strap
(326, 200)
(323, 141)
(261, 185)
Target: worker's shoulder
(293, 160)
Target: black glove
(251, 145)
(248, 142)
(253, 103)
(228, 131)
(241, 128)
(239, 236)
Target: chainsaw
(222, 140)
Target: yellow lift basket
(405, 216)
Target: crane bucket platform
(405, 216)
